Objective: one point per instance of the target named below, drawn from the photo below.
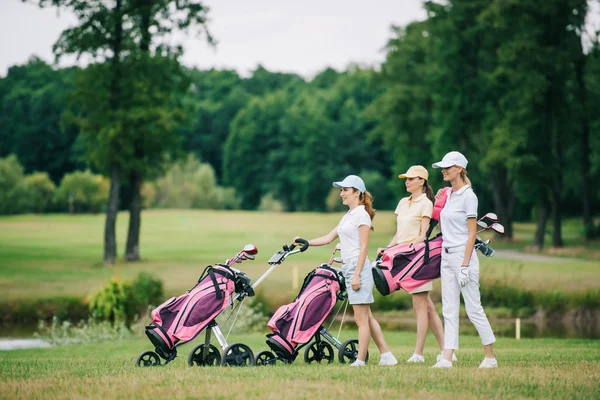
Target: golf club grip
(304, 243)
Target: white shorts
(364, 295)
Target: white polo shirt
(453, 218)
(347, 230)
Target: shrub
(146, 290)
(60, 333)
(112, 303)
(498, 294)
(12, 189)
(333, 202)
(269, 203)
(191, 184)
(40, 191)
(553, 301)
(82, 191)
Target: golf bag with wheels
(296, 323)
(181, 319)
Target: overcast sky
(302, 36)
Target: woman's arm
(424, 227)
(472, 229)
(363, 234)
(322, 240)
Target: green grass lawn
(530, 368)
(54, 255)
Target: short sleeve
(363, 219)
(427, 210)
(398, 207)
(471, 203)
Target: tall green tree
(157, 85)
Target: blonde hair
(366, 199)
(463, 175)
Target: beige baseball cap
(416, 171)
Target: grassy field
(51, 255)
(540, 368)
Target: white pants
(451, 290)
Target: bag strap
(213, 278)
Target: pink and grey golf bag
(406, 266)
(181, 319)
(296, 323)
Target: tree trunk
(556, 220)
(110, 242)
(542, 218)
(132, 251)
(586, 190)
(504, 201)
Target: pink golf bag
(296, 323)
(181, 319)
(408, 267)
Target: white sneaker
(489, 363)
(443, 364)
(389, 360)
(441, 355)
(415, 358)
(358, 363)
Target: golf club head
(482, 224)
(490, 216)
(337, 260)
(498, 228)
(250, 249)
(247, 256)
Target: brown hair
(463, 175)
(366, 199)
(428, 191)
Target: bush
(40, 191)
(191, 184)
(82, 191)
(112, 303)
(553, 302)
(60, 333)
(12, 189)
(146, 290)
(148, 193)
(269, 203)
(499, 294)
(333, 202)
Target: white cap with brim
(351, 181)
(451, 159)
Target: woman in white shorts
(460, 265)
(353, 231)
(412, 222)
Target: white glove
(463, 276)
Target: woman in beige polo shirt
(412, 222)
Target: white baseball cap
(351, 181)
(451, 159)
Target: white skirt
(364, 295)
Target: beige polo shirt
(410, 212)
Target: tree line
(513, 85)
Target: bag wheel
(148, 359)
(265, 357)
(321, 351)
(204, 356)
(237, 355)
(349, 352)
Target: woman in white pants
(353, 231)
(460, 266)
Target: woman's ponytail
(463, 175)
(366, 199)
(428, 191)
